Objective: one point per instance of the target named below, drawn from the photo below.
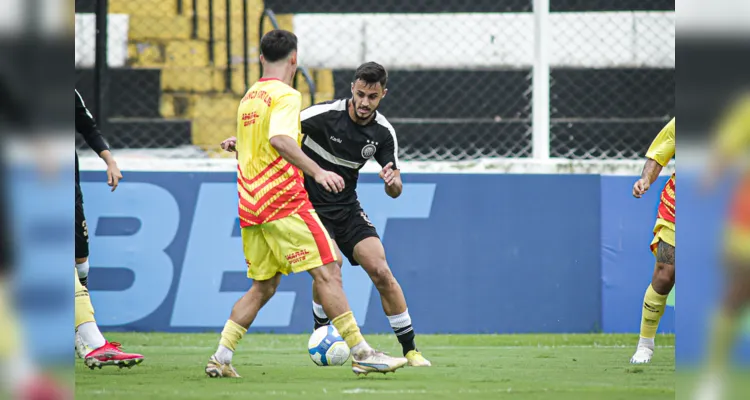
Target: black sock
(84, 282)
(321, 321)
(406, 337)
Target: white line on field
(301, 348)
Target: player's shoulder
(382, 121)
(669, 128)
(335, 105)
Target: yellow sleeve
(734, 130)
(285, 119)
(663, 147)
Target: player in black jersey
(90, 343)
(341, 136)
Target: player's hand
(229, 144)
(113, 175)
(640, 188)
(330, 181)
(387, 174)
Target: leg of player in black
(82, 240)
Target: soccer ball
(327, 347)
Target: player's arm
(86, 125)
(657, 157)
(733, 137)
(387, 157)
(283, 135)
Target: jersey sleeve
(285, 115)
(663, 147)
(388, 152)
(313, 123)
(86, 126)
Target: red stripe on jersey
(261, 173)
(259, 202)
(667, 204)
(293, 200)
(270, 179)
(317, 230)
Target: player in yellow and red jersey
(663, 245)
(733, 141)
(281, 232)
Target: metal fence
(460, 73)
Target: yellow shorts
(664, 231)
(295, 243)
(737, 243)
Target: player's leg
(313, 250)
(90, 343)
(319, 315)
(264, 268)
(655, 301)
(81, 240)
(370, 254)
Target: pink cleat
(110, 354)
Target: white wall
(589, 39)
(117, 52)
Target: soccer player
(663, 245)
(733, 141)
(281, 231)
(90, 343)
(342, 135)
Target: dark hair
(277, 45)
(371, 73)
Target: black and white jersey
(338, 144)
(86, 126)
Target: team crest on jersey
(369, 149)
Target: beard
(370, 111)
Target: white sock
(400, 321)
(83, 269)
(646, 342)
(224, 355)
(361, 349)
(91, 335)
(318, 311)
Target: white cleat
(377, 361)
(710, 388)
(215, 369)
(642, 355)
(81, 348)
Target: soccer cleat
(110, 354)
(215, 369)
(377, 361)
(642, 355)
(80, 347)
(416, 359)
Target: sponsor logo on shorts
(297, 256)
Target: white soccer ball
(327, 347)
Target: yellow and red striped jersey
(662, 150)
(269, 187)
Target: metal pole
(229, 46)
(211, 31)
(101, 68)
(195, 19)
(541, 77)
(245, 55)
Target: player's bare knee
(266, 289)
(664, 278)
(382, 277)
(329, 274)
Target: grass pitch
(519, 367)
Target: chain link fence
(460, 73)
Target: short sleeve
(285, 119)
(313, 123)
(388, 151)
(663, 147)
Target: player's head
(278, 49)
(368, 88)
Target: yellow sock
(653, 308)
(723, 335)
(348, 329)
(232, 334)
(9, 340)
(84, 309)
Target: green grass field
(523, 367)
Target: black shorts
(347, 227)
(82, 231)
